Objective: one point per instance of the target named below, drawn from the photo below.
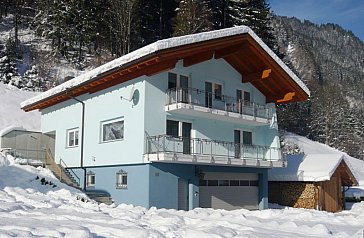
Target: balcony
(200, 103)
(164, 148)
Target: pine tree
(257, 16)
(193, 16)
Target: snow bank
(158, 46)
(10, 113)
(30, 209)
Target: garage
(229, 191)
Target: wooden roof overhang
(347, 177)
(241, 51)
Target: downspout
(82, 136)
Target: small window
(72, 138)
(247, 138)
(112, 130)
(213, 183)
(244, 182)
(172, 128)
(254, 183)
(223, 182)
(218, 91)
(121, 179)
(234, 182)
(90, 179)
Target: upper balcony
(164, 148)
(200, 103)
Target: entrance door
(208, 94)
(186, 137)
(182, 194)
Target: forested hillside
(43, 43)
(331, 62)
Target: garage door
(229, 191)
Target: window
(247, 98)
(178, 81)
(173, 128)
(72, 138)
(121, 179)
(90, 179)
(247, 138)
(218, 91)
(112, 130)
(227, 183)
(172, 80)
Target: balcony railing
(211, 100)
(212, 148)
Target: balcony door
(179, 87)
(180, 132)
(243, 140)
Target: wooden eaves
(241, 51)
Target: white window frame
(120, 182)
(120, 119)
(71, 133)
(89, 176)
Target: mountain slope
(331, 62)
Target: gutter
(82, 135)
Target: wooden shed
(311, 179)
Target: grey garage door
(229, 191)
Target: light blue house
(181, 123)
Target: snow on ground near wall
(10, 113)
(29, 209)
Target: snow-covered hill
(30, 209)
(10, 113)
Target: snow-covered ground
(30, 209)
(10, 113)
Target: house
(315, 178)
(181, 123)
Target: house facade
(182, 123)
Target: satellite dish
(133, 96)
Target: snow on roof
(318, 162)
(162, 45)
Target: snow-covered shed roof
(239, 46)
(317, 162)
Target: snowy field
(30, 209)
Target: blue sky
(349, 14)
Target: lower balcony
(164, 148)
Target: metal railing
(212, 148)
(216, 101)
(65, 167)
